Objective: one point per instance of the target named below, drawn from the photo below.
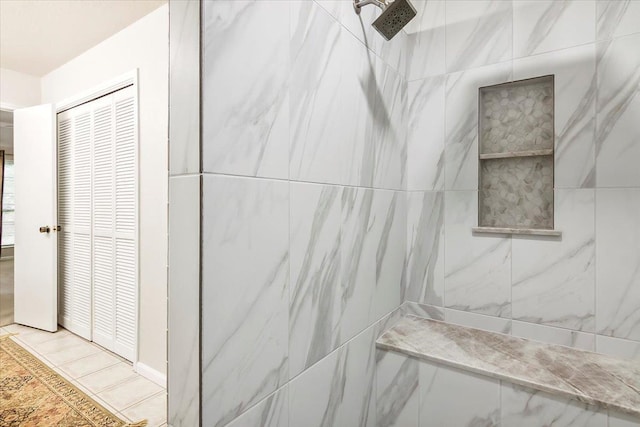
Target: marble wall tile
(622, 420)
(273, 411)
(315, 310)
(548, 334)
(426, 40)
(387, 163)
(522, 407)
(373, 239)
(340, 389)
(333, 94)
(553, 280)
(248, 133)
(397, 390)
(347, 265)
(617, 18)
(618, 109)
(543, 26)
(425, 134)
(442, 389)
(184, 87)
(618, 261)
(425, 248)
(184, 301)
(245, 287)
(574, 71)
(461, 122)
(617, 347)
(477, 268)
(478, 321)
(478, 32)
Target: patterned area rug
(32, 394)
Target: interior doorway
(7, 218)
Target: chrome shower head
(395, 15)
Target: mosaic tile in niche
(517, 116)
(517, 192)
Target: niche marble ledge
(591, 378)
(521, 231)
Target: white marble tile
(478, 32)
(388, 225)
(426, 40)
(339, 390)
(89, 364)
(478, 321)
(184, 300)
(315, 311)
(425, 248)
(107, 378)
(14, 328)
(332, 99)
(622, 420)
(425, 135)
(273, 411)
(617, 18)
(574, 110)
(245, 287)
(246, 63)
(384, 162)
(184, 87)
(553, 335)
(618, 109)
(618, 258)
(624, 349)
(153, 409)
(373, 242)
(398, 395)
(543, 26)
(129, 393)
(522, 407)
(442, 390)
(553, 279)
(33, 337)
(477, 268)
(461, 123)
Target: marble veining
(590, 378)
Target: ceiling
(38, 36)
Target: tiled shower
(324, 180)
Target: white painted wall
(18, 90)
(143, 45)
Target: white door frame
(113, 85)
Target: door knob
(45, 229)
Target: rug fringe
(142, 423)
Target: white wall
(143, 45)
(18, 90)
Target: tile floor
(107, 378)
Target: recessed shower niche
(516, 157)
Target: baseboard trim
(151, 374)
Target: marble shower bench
(465, 376)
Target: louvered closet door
(103, 222)
(75, 136)
(106, 256)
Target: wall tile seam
(286, 384)
(400, 74)
(225, 175)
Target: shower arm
(357, 4)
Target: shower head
(395, 15)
